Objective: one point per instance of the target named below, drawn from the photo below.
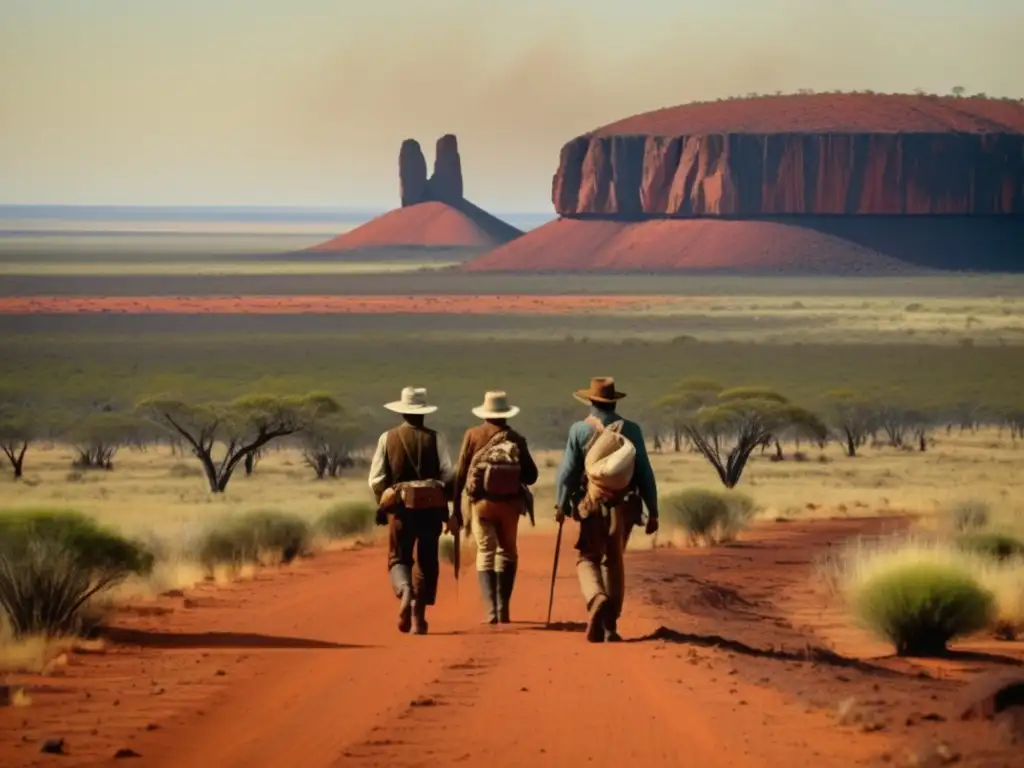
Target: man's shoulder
(582, 429)
(407, 432)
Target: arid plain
(747, 649)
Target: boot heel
(405, 610)
(489, 595)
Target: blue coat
(570, 473)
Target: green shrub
(348, 519)
(254, 537)
(920, 606)
(709, 517)
(999, 546)
(52, 562)
(970, 515)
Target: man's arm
(461, 474)
(527, 466)
(444, 460)
(379, 474)
(567, 481)
(645, 473)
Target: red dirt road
(303, 667)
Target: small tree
(240, 427)
(805, 425)
(17, 431)
(741, 420)
(328, 444)
(1013, 419)
(958, 90)
(687, 396)
(98, 437)
(851, 417)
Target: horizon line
(239, 206)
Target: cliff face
(748, 174)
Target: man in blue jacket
(603, 536)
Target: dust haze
(514, 105)
(311, 108)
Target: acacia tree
(851, 417)
(740, 420)
(1013, 419)
(679, 404)
(237, 429)
(328, 444)
(99, 436)
(805, 426)
(17, 431)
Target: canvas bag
(494, 483)
(609, 463)
(494, 472)
(420, 494)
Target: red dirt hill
(434, 213)
(430, 224)
(838, 183)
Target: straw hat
(495, 406)
(602, 390)
(413, 401)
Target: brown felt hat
(602, 390)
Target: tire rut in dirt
(427, 724)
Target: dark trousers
(413, 542)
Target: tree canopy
(739, 420)
(239, 427)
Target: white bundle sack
(610, 461)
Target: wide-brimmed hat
(413, 401)
(602, 390)
(496, 406)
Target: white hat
(413, 401)
(495, 406)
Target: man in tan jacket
(412, 453)
(494, 522)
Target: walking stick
(554, 571)
(457, 559)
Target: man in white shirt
(410, 453)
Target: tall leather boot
(506, 583)
(419, 617)
(401, 581)
(489, 593)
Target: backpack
(494, 472)
(420, 494)
(608, 465)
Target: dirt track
(304, 667)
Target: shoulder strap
(598, 429)
(408, 454)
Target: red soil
(827, 112)
(344, 305)
(303, 666)
(684, 245)
(429, 224)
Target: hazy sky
(305, 102)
